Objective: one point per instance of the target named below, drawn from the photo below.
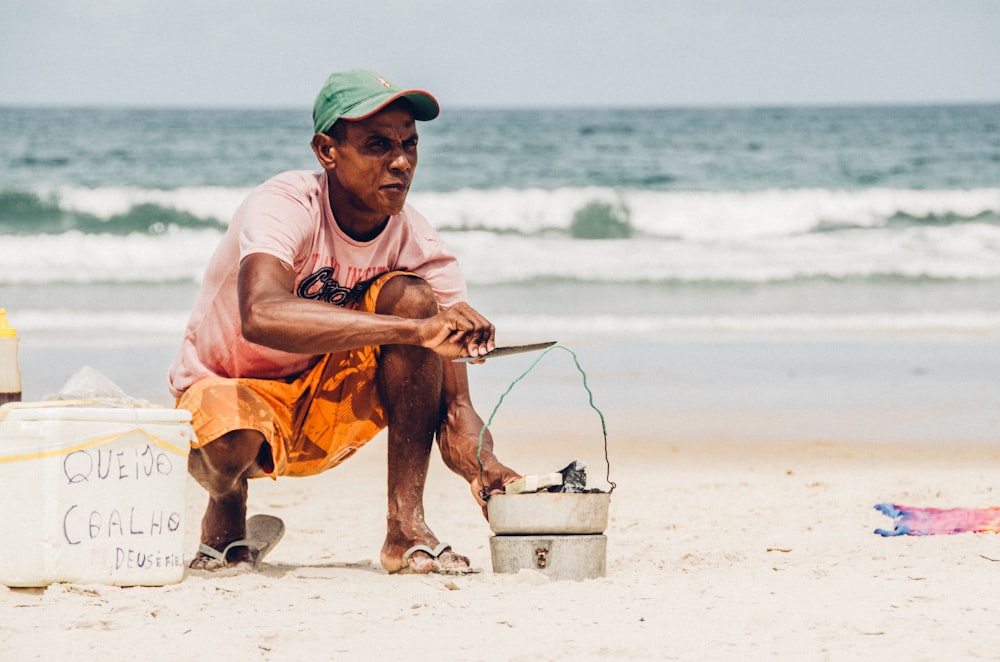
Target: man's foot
(425, 559)
(263, 532)
(232, 555)
(203, 561)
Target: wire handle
(604, 428)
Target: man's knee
(406, 296)
(221, 465)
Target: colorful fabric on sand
(938, 521)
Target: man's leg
(409, 382)
(222, 468)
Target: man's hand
(458, 331)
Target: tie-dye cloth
(938, 521)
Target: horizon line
(516, 107)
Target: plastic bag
(90, 387)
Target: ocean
(581, 225)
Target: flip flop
(262, 533)
(434, 554)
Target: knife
(506, 351)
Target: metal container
(558, 557)
(555, 533)
(549, 513)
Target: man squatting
(330, 310)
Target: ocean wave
(28, 214)
(181, 254)
(953, 322)
(926, 253)
(122, 235)
(692, 215)
(116, 210)
(75, 257)
(68, 327)
(710, 215)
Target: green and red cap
(360, 93)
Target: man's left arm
(458, 438)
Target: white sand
(741, 527)
(730, 550)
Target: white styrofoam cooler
(92, 494)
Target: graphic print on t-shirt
(323, 286)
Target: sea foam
(516, 236)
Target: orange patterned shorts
(314, 421)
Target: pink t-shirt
(289, 217)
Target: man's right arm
(272, 315)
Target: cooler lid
(116, 411)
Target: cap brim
(425, 106)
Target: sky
(502, 53)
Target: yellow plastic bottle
(10, 373)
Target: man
(330, 310)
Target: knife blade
(506, 351)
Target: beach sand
(742, 530)
(715, 551)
